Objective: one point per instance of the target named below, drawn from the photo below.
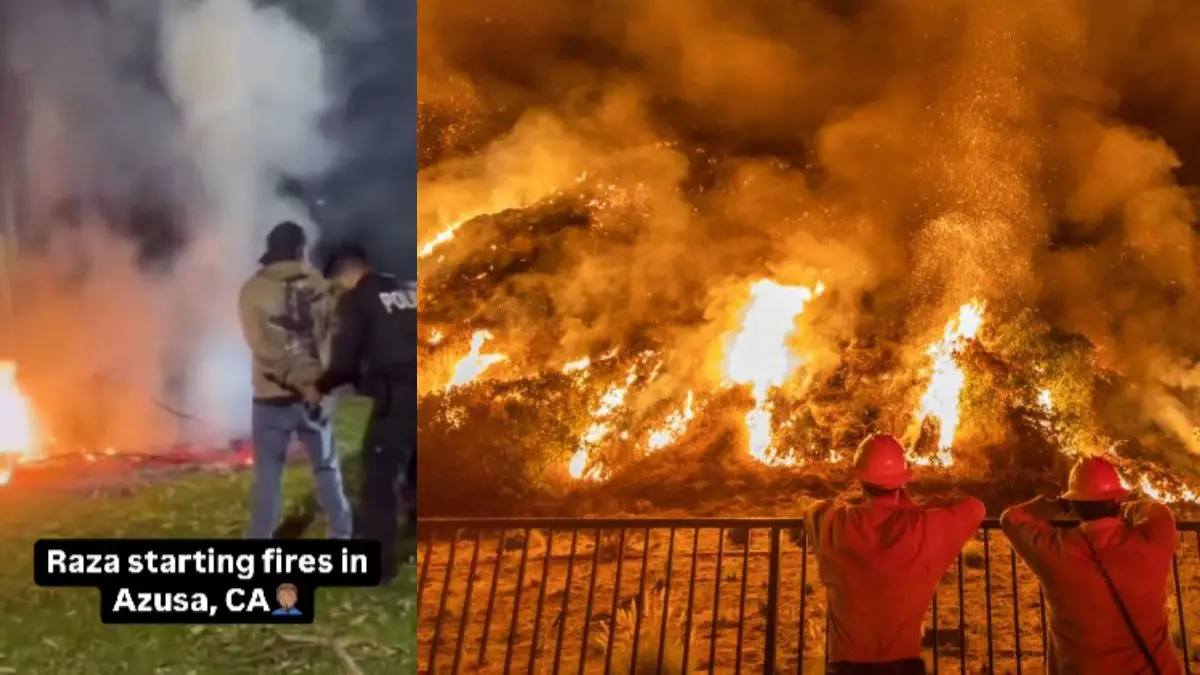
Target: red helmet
(879, 461)
(1093, 479)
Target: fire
(758, 354)
(578, 463)
(601, 427)
(676, 424)
(1161, 494)
(1045, 400)
(17, 424)
(442, 237)
(941, 398)
(576, 366)
(473, 364)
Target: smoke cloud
(147, 142)
(910, 155)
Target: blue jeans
(272, 428)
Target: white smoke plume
(252, 89)
(149, 131)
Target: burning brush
(18, 435)
(761, 356)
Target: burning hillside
(763, 232)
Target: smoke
(252, 89)
(153, 141)
(371, 190)
(910, 155)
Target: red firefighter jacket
(880, 560)
(1087, 632)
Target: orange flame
(946, 381)
(18, 427)
(471, 366)
(758, 354)
(676, 424)
(601, 427)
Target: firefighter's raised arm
(1027, 526)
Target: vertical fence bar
(537, 613)
(773, 564)
(962, 619)
(987, 601)
(491, 603)
(712, 644)
(423, 581)
(803, 601)
(742, 600)
(1045, 634)
(512, 626)
(562, 611)
(666, 605)
(616, 600)
(441, 613)
(464, 623)
(587, 613)
(687, 627)
(1183, 636)
(1016, 594)
(641, 602)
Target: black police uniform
(375, 348)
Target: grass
(58, 631)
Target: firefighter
(881, 556)
(1105, 580)
(375, 348)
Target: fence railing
(717, 595)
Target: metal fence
(658, 595)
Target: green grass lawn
(58, 631)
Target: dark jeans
(387, 448)
(905, 667)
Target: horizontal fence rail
(716, 595)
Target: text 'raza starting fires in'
(206, 581)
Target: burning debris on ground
(747, 252)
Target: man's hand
(311, 396)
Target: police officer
(375, 348)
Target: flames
(1164, 493)
(940, 401)
(442, 237)
(759, 356)
(18, 432)
(675, 426)
(601, 428)
(471, 366)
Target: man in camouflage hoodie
(285, 311)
